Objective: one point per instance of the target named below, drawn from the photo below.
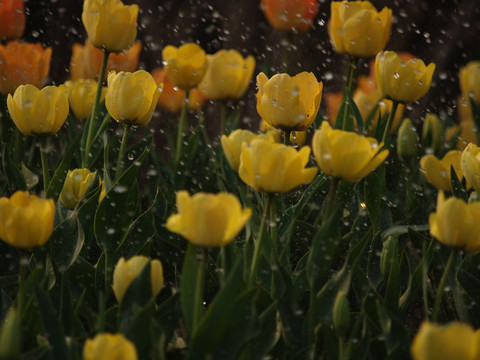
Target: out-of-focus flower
(464, 109)
(470, 81)
(227, 75)
(26, 221)
(208, 220)
(446, 342)
(232, 145)
(110, 24)
(126, 271)
(185, 65)
(81, 95)
(470, 163)
(75, 187)
(358, 29)
(12, 19)
(109, 347)
(401, 81)
(346, 155)
(38, 112)
(290, 15)
(432, 132)
(456, 223)
(23, 63)
(333, 101)
(407, 141)
(289, 103)
(468, 134)
(131, 97)
(437, 171)
(87, 60)
(171, 99)
(274, 168)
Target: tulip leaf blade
(188, 286)
(66, 243)
(15, 179)
(356, 112)
(458, 189)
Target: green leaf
(355, 111)
(188, 286)
(14, 175)
(458, 189)
(66, 242)
(374, 189)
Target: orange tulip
(23, 63)
(87, 59)
(12, 19)
(290, 14)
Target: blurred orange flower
(12, 19)
(23, 63)
(87, 59)
(290, 14)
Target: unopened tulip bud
(432, 134)
(341, 313)
(407, 141)
(387, 256)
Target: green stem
(388, 127)
(349, 86)
(44, 158)
(330, 201)
(22, 273)
(441, 286)
(273, 223)
(181, 129)
(93, 115)
(121, 153)
(223, 118)
(258, 244)
(286, 137)
(200, 284)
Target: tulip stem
(349, 86)
(200, 284)
(258, 244)
(121, 153)
(286, 137)
(181, 129)
(441, 286)
(330, 201)
(388, 127)
(223, 118)
(44, 158)
(93, 115)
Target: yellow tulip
(185, 65)
(110, 24)
(131, 97)
(38, 112)
(358, 29)
(468, 134)
(471, 165)
(81, 95)
(227, 76)
(289, 103)
(470, 81)
(109, 347)
(346, 155)
(26, 221)
(455, 341)
(75, 187)
(456, 223)
(274, 168)
(232, 145)
(208, 220)
(126, 271)
(402, 81)
(437, 171)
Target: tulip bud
(407, 141)
(341, 313)
(10, 336)
(109, 347)
(75, 187)
(388, 255)
(432, 134)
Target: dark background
(445, 32)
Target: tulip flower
(107, 346)
(26, 221)
(446, 342)
(346, 155)
(290, 15)
(38, 112)
(274, 168)
(12, 19)
(185, 65)
(470, 81)
(456, 223)
(401, 81)
(21, 64)
(81, 95)
(289, 103)
(208, 220)
(470, 163)
(356, 28)
(227, 76)
(126, 271)
(110, 24)
(437, 171)
(86, 60)
(75, 187)
(131, 97)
